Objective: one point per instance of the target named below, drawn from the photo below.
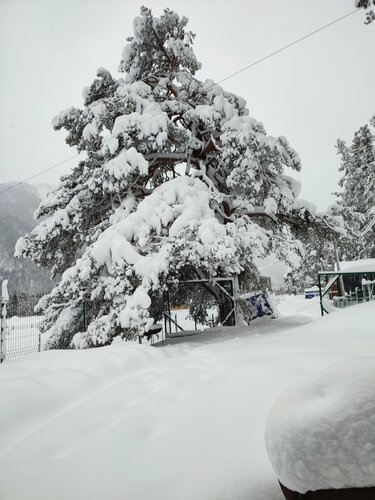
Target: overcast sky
(312, 93)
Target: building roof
(358, 266)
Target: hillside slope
(17, 207)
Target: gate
(225, 291)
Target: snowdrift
(184, 421)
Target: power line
(268, 56)
(251, 65)
(39, 173)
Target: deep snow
(183, 421)
(320, 433)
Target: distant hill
(17, 207)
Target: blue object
(259, 302)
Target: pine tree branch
(165, 156)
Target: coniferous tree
(178, 182)
(317, 255)
(357, 195)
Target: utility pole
(341, 281)
(236, 296)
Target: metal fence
(20, 327)
(363, 294)
(354, 288)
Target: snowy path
(183, 421)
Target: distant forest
(17, 207)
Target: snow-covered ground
(183, 421)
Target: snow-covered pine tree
(317, 255)
(178, 182)
(357, 194)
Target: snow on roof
(357, 266)
(320, 434)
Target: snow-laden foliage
(367, 5)
(317, 255)
(178, 181)
(357, 194)
(355, 205)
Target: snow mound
(320, 434)
(298, 306)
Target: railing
(364, 294)
(363, 283)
